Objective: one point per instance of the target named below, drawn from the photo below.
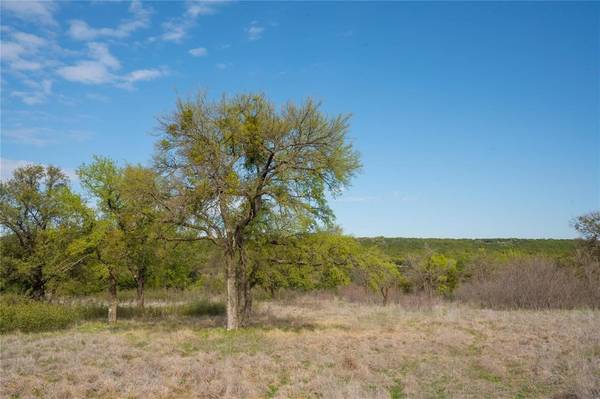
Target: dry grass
(321, 348)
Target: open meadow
(313, 346)
(299, 199)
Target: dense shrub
(17, 313)
(528, 283)
(35, 316)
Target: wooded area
(237, 199)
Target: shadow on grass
(193, 310)
(92, 317)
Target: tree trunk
(233, 322)
(239, 298)
(385, 294)
(247, 301)
(38, 291)
(141, 280)
(112, 307)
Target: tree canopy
(238, 166)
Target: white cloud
(38, 12)
(80, 30)
(30, 136)
(140, 75)
(255, 31)
(97, 70)
(18, 51)
(199, 52)
(29, 40)
(41, 136)
(88, 72)
(144, 74)
(24, 65)
(94, 71)
(196, 8)
(40, 91)
(11, 51)
(101, 53)
(176, 29)
(222, 66)
(101, 68)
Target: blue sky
(473, 119)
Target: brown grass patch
(317, 348)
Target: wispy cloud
(20, 52)
(80, 30)
(175, 29)
(96, 70)
(195, 8)
(140, 75)
(38, 12)
(254, 31)
(42, 136)
(199, 52)
(222, 65)
(38, 93)
(102, 67)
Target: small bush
(528, 283)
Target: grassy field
(315, 347)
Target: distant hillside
(464, 249)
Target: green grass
(397, 391)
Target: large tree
(43, 216)
(236, 164)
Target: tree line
(237, 194)
(237, 173)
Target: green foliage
(125, 232)
(40, 217)
(321, 260)
(252, 160)
(465, 250)
(238, 170)
(375, 271)
(35, 316)
(18, 313)
(434, 273)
